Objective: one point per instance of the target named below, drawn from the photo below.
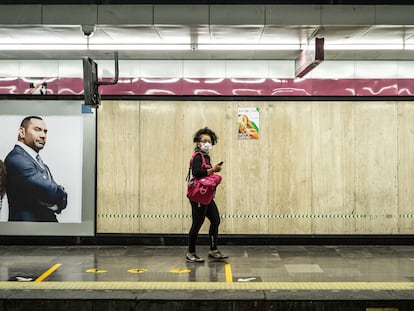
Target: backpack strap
(188, 178)
(192, 158)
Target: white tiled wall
(195, 69)
(209, 69)
(39, 68)
(375, 69)
(405, 69)
(70, 69)
(334, 70)
(9, 68)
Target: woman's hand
(217, 167)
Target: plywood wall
(317, 168)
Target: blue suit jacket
(29, 189)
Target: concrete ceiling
(387, 36)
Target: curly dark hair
(205, 131)
(3, 176)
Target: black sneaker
(193, 258)
(217, 255)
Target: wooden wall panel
(333, 167)
(290, 137)
(247, 171)
(118, 167)
(228, 189)
(317, 168)
(161, 167)
(376, 154)
(406, 167)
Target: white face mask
(206, 147)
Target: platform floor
(378, 277)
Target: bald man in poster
(32, 193)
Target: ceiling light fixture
(100, 47)
(141, 47)
(43, 47)
(363, 47)
(189, 47)
(248, 47)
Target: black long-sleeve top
(197, 170)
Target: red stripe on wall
(221, 87)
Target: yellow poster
(248, 122)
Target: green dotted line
(143, 216)
(249, 216)
(293, 216)
(239, 216)
(406, 215)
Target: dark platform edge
(225, 239)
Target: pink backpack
(202, 190)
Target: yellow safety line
(249, 286)
(229, 275)
(48, 272)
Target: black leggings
(199, 214)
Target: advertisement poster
(61, 165)
(50, 168)
(248, 122)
